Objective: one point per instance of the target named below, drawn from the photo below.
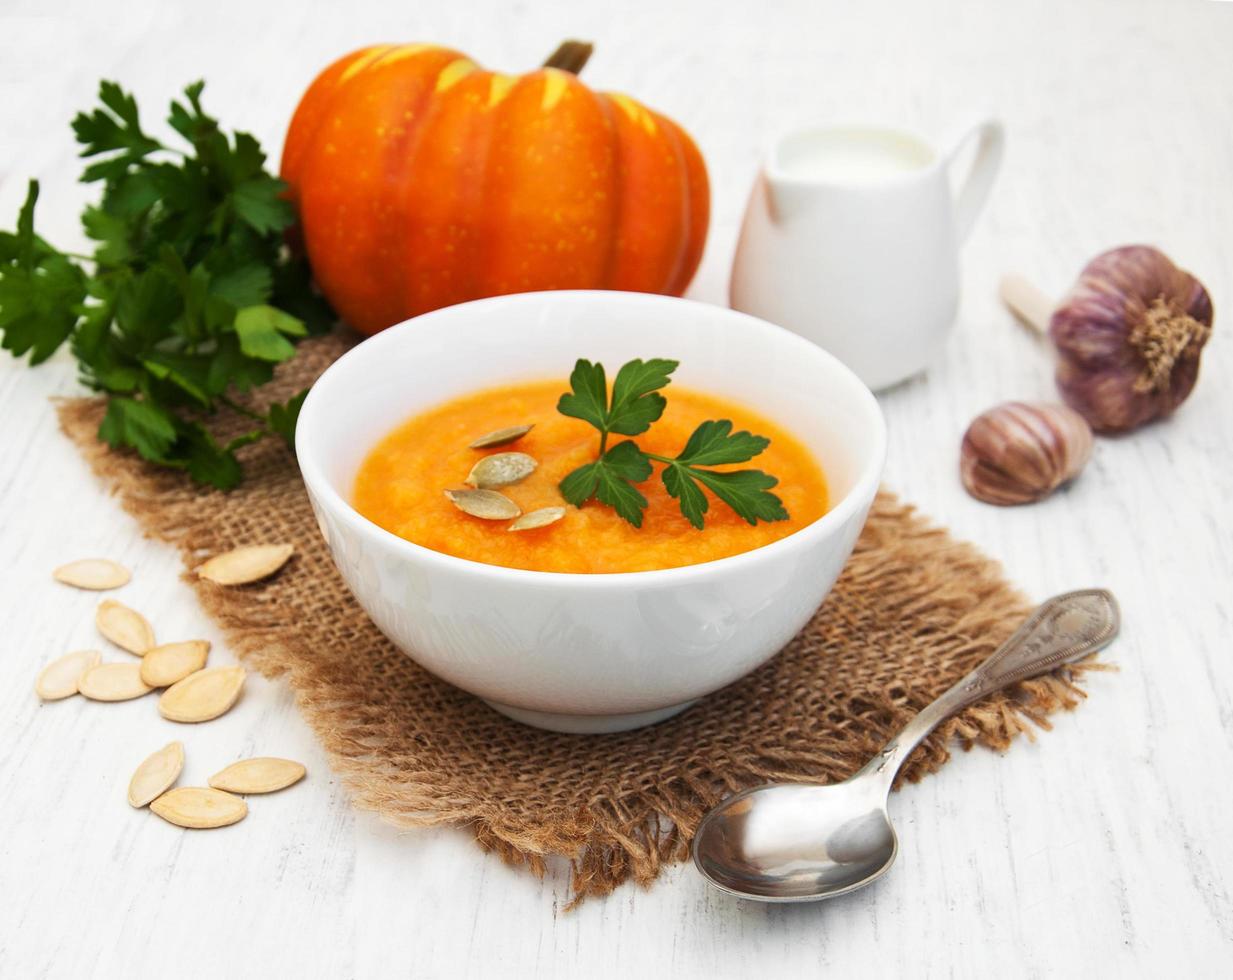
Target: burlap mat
(913, 611)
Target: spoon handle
(1065, 628)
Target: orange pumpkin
(423, 180)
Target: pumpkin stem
(571, 56)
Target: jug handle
(974, 189)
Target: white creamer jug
(851, 239)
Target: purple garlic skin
(1128, 337)
(1018, 452)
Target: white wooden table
(1103, 849)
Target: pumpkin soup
(401, 484)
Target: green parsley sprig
(190, 297)
(635, 405)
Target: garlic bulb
(1018, 452)
(1128, 336)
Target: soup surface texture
(401, 484)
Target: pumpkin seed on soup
(485, 504)
(537, 518)
(501, 437)
(500, 470)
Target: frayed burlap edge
(610, 840)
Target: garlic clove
(1018, 452)
(1129, 336)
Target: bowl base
(588, 724)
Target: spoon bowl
(801, 843)
(785, 843)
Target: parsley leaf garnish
(190, 296)
(588, 395)
(634, 406)
(635, 402)
(611, 480)
(745, 491)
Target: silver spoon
(800, 843)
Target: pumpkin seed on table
(60, 678)
(113, 682)
(261, 775)
(156, 775)
(537, 518)
(199, 808)
(500, 470)
(486, 504)
(501, 437)
(202, 696)
(164, 665)
(240, 566)
(95, 574)
(126, 628)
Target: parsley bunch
(190, 296)
(634, 405)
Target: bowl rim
(862, 491)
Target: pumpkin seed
(501, 437)
(241, 566)
(113, 682)
(155, 776)
(96, 574)
(164, 665)
(125, 627)
(199, 808)
(500, 470)
(486, 504)
(264, 775)
(203, 695)
(59, 679)
(537, 518)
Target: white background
(1103, 849)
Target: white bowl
(588, 653)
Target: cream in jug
(851, 239)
